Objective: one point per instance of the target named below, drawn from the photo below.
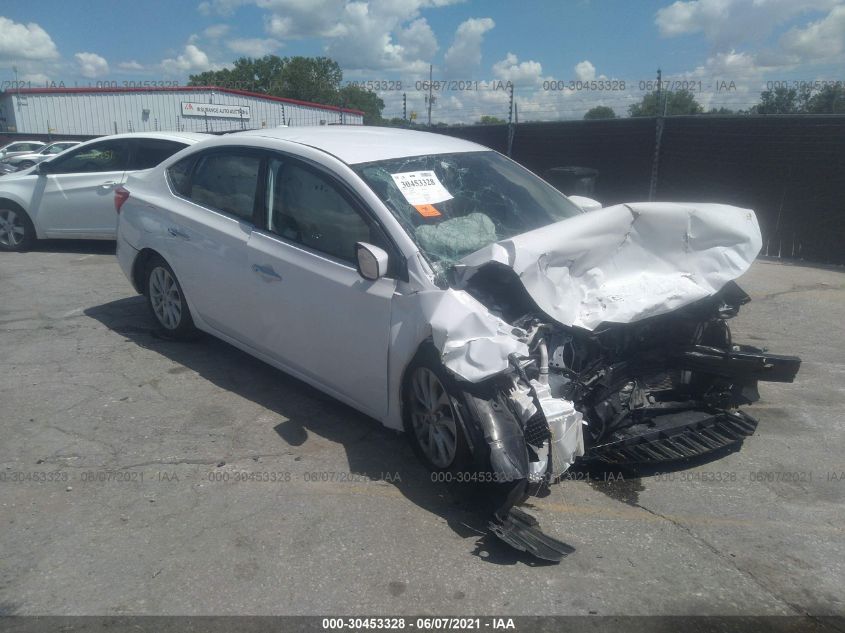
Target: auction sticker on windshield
(421, 187)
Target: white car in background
(444, 290)
(72, 195)
(25, 161)
(20, 147)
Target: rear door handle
(174, 232)
(267, 272)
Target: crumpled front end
(603, 336)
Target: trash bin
(572, 181)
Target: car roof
(22, 141)
(193, 137)
(363, 144)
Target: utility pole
(510, 104)
(404, 106)
(430, 97)
(510, 121)
(658, 138)
(659, 88)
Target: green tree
(600, 112)
(672, 103)
(316, 79)
(782, 100)
(490, 120)
(828, 100)
(721, 111)
(369, 102)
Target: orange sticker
(427, 210)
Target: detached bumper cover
(672, 436)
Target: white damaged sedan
(444, 290)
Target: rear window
(179, 176)
(148, 153)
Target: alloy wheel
(12, 230)
(433, 418)
(165, 298)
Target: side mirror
(41, 169)
(585, 204)
(372, 261)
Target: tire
(166, 301)
(433, 429)
(25, 165)
(16, 230)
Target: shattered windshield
(456, 204)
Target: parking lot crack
(715, 550)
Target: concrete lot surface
(144, 476)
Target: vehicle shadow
(624, 483)
(372, 450)
(83, 247)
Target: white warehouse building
(111, 110)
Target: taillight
(121, 195)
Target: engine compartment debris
(602, 337)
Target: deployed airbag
(626, 262)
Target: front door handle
(109, 185)
(267, 272)
(174, 232)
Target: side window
(24, 147)
(227, 182)
(180, 176)
(305, 207)
(105, 156)
(147, 153)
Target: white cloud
(192, 60)
(465, 52)
(303, 18)
(253, 47)
(730, 23)
(25, 41)
(220, 7)
(819, 41)
(418, 40)
(130, 65)
(92, 65)
(519, 73)
(585, 71)
(216, 31)
(35, 78)
(382, 35)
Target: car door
(314, 312)
(206, 229)
(74, 193)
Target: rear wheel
(25, 165)
(430, 418)
(16, 230)
(167, 301)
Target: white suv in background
(72, 195)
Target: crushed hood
(626, 262)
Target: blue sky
(528, 42)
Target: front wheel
(430, 418)
(167, 301)
(16, 230)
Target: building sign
(214, 110)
